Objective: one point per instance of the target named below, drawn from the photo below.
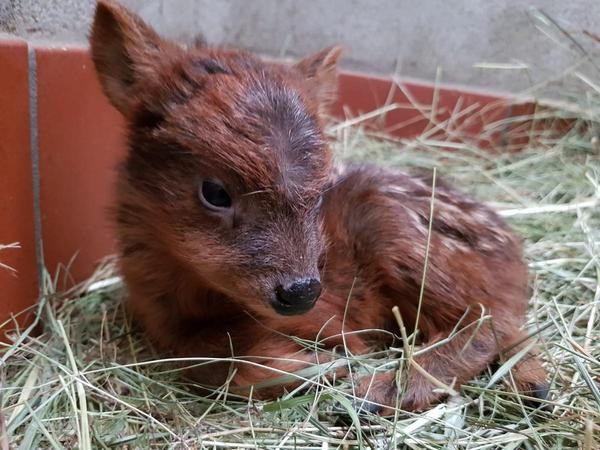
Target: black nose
(298, 297)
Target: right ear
(320, 74)
(125, 50)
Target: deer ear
(125, 50)
(320, 73)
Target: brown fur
(201, 282)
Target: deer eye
(214, 196)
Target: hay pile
(89, 382)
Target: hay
(11, 246)
(90, 382)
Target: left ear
(320, 73)
(125, 51)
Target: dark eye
(214, 196)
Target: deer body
(236, 231)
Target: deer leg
(275, 358)
(451, 360)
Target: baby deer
(237, 231)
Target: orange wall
(18, 288)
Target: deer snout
(297, 297)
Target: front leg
(241, 347)
(273, 358)
(252, 355)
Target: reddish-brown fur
(201, 282)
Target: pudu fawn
(237, 231)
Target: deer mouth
(291, 309)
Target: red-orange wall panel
(80, 144)
(18, 289)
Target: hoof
(541, 391)
(365, 406)
(339, 351)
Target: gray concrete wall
(417, 37)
